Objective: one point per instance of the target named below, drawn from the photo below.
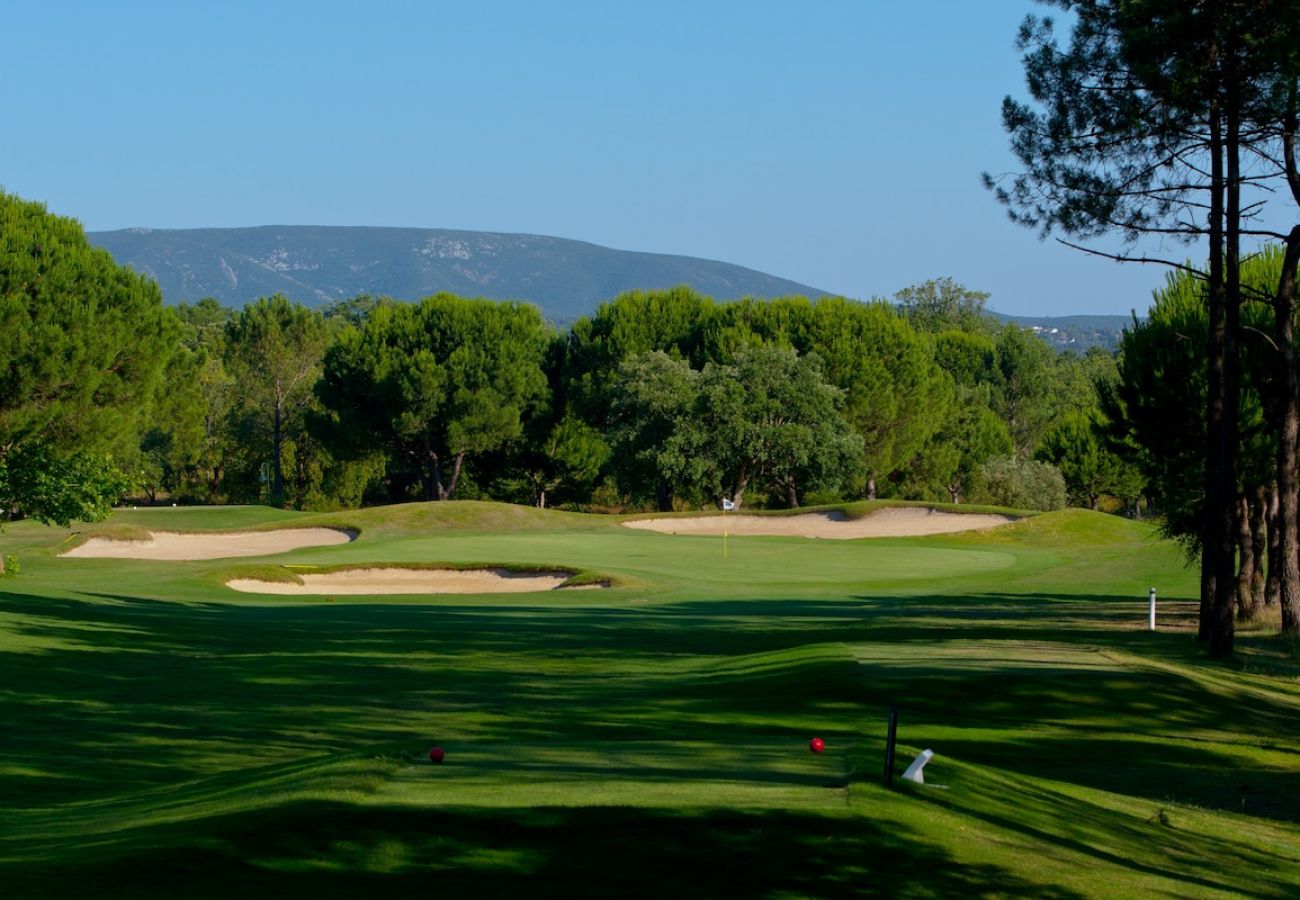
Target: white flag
(727, 504)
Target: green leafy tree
(570, 456)
(650, 433)
(769, 418)
(636, 322)
(204, 336)
(84, 344)
(433, 383)
(895, 396)
(273, 352)
(39, 483)
(970, 359)
(1153, 408)
(1088, 466)
(1023, 387)
(948, 467)
(942, 304)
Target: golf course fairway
(167, 736)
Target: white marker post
(1151, 611)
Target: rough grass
(165, 736)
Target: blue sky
(835, 143)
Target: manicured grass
(165, 736)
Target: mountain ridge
(320, 264)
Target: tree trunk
(954, 492)
(1288, 489)
(663, 496)
(1246, 568)
(871, 487)
(738, 492)
(541, 498)
(1287, 521)
(1222, 626)
(1259, 541)
(1211, 547)
(277, 475)
(433, 474)
(792, 494)
(457, 462)
(1092, 501)
(1273, 583)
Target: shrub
(1022, 484)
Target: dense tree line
(662, 399)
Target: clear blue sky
(835, 143)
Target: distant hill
(316, 265)
(1076, 333)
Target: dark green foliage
(1120, 111)
(948, 467)
(672, 321)
(429, 384)
(769, 419)
(38, 482)
(84, 350)
(650, 430)
(1023, 386)
(1155, 407)
(1088, 466)
(273, 352)
(894, 394)
(83, 342)
(968, 358)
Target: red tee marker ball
(436, 755)
(816, 745)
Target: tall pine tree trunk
(1222, 628)
(1211, 546)
(1288, 516)
(1287, 521)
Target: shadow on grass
(331, 850)
(122, 695)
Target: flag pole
(726, 505)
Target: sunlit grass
(165, 736)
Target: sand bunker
(175, 545)
(392, 580)
(894, 521)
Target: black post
(889, 745)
